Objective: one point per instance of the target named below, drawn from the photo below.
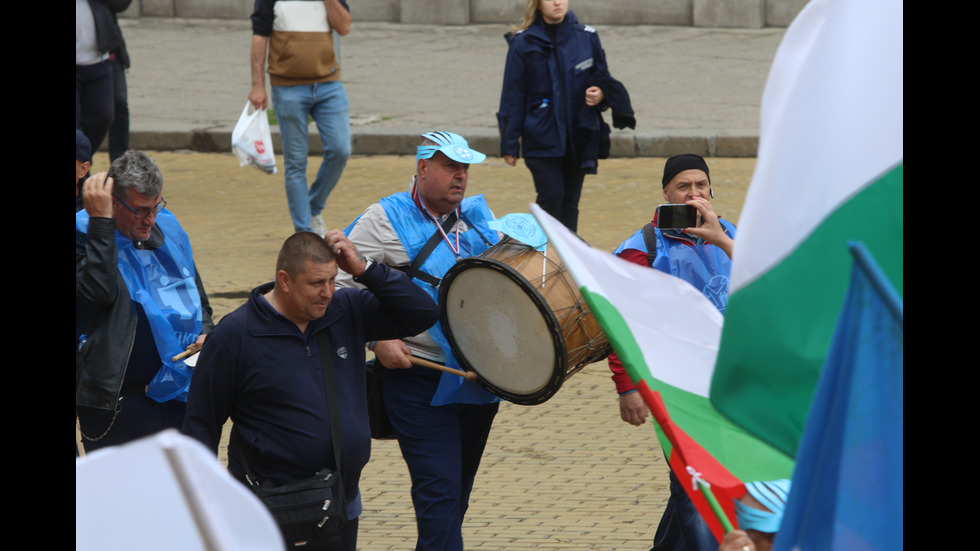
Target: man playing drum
(441, 420)
(701, 256)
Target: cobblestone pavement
(566, 474)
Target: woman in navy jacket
(555, 84)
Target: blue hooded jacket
(544, 86)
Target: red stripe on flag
(686, 453)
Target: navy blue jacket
(543, 94)
(257, 368)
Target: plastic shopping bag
(251, 141)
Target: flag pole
(876, 276)
(726, 524)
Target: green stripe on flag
(744, 455)
(619, 334)
(778, 328)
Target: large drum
(514, 316)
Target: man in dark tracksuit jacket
(261, 365)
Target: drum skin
(514, 316)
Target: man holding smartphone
(700, 254)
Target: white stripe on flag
(676, 327)
(832, 122)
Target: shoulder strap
(330, 386)
(650, 240)
(415, 269)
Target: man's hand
(736, 540)
(258, 97)
(510, 159)
(594, 96)
(711, 230)
(632, 409)
(97, 195)
(192, 348)
(347, 258)
(393, 354)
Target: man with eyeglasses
(139, 301)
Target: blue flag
(522, 227)
(847, 486)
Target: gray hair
(134, 170)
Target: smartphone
(676, 216)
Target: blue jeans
(682, 528)
(326, 102)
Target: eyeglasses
(143, 213)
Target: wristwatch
(368, 262)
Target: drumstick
(468, 375)
(192, 349)
(544, 266)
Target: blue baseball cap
(451, 145)
(772, 495)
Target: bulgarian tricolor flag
(830, 170)
(666, 333)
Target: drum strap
(650, 240)
(415, 269)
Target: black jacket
(107, 31)
(591, 135)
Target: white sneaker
(317, 225)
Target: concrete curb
(398, 141)
(692, 90)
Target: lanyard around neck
(421, 204)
